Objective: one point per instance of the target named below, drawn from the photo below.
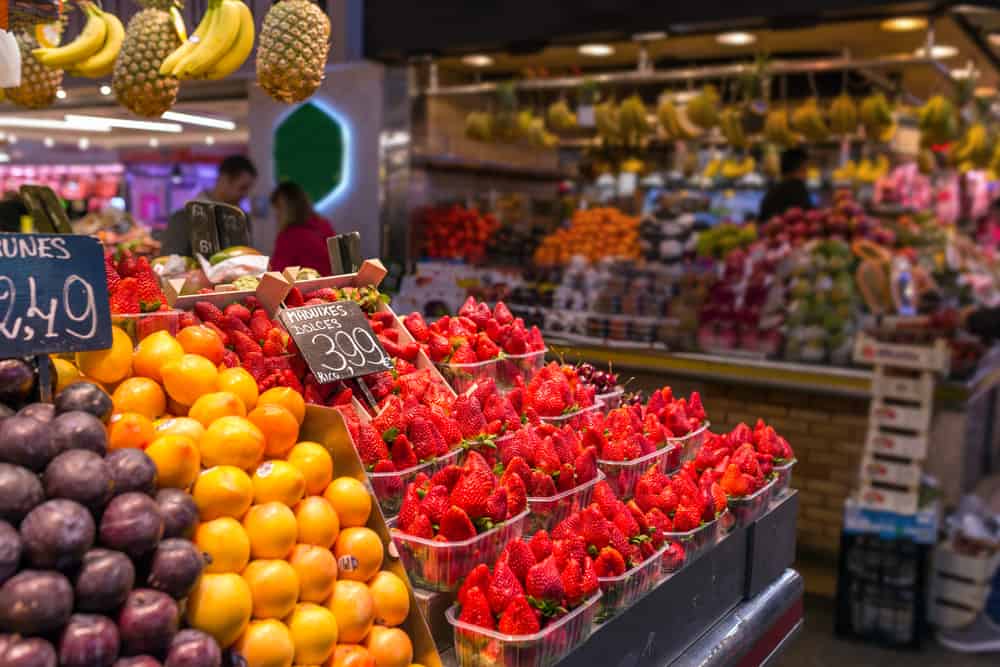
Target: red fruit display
(454, 232)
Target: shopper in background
(790, 191)
(302, 232)
(236, 177)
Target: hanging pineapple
(38, 83)
(152, 35)
(291, 54)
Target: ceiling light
(42, 124)
(477, 60)
(963, 73)
(61, 93)
(986, 91)
(904, 24)
(735, 38)
(210, 140)
(154, 142)
(651, 36)
(193, 119)
(83, 143)
(938, 52)
(11, 139)
(596, 50)
(49, 142)
(4, 157)
(124, 123)
(105, 90)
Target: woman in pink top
(302, 239)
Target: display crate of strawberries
(138, 305)
(547, 511)
(689, 444)
(782, 479)
(623, 475)
(747, 509)
(620, 592)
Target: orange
(315, 464)
(189, 377)
(232, 441)
(222, 491)
(185, 426)
(202, 341)
(350, 655)
(142, 395)
(240, 382)
(225, 544)
(266, 643)
(66, 373)
(278, 481)
(274, 585)
(215, 405)
(220, 605)
(153, 351)
(392, 598)
(130, 430)
(177, 461)
(314, 633)
(351, 500)
(391, 647)
(278, 425)
(317, 570)
(318, 522)
(352, 604)
(287, 398)
(272, 530)
(111, 365)
(359, 553)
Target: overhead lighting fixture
(963, 73)
(105, 90)
(154, 142)
(904, 24)
(42, 124)
(49, 142)
(4, 157)
(938, 52)
(596, 50)
(986, 91)
(210, 140)
(204, 121)
(477, 60)
(61, 93)
(123, 123)
(83, 143)
(735, 38)
(651, 36)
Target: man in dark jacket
(790, 191)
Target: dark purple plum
(77, 429)
(29, 652)
(193, 648)
(25, 441)
(180, 514)
(147, 623)
(132, 523)
(175, 567)
(17, 379)
(20, 492)
(56, 534)
(80, 475)
(43, 412)
(132, 470)
(10, 551)
(34, 602)
(88, 640)
(85, 396)
(104, 581)
(138, 661)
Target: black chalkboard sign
(231, 225)
(53, 294)
(335, 340)
(203, 232)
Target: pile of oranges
(594, 234)
(293, 575)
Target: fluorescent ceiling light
(49, 142)
(986, 91)
(963, 73)
(210, 140)
(938, 52)
(596, 50)
(205, 121)
(83, 143)
(477, 60)
(735, 38)
(651, 36)
(123, 123)
(904, 24)
(105, 90)
(154, 142)
(42, 124)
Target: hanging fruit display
(152, 34)
(38, 82)
(291, 56)
(938, 121)
(92, 54)
(777, 129)
(876, 117)
(703, 109)
(219, 46)
(808, 119)
(843, 115)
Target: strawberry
(111, 273)
(463, 354)
(438, 347)
(637, 515)
(371, 448)
(447, 476)
(520, 446)
(594, 528)
(230, 359)
(734, 483)
(519, 468)
(244, 345)
(125, 300)
(469, 415)
(541, 546)
(448, 428)
(517, 496)
(609, 563)
(475, 461)
(695, 410)
(294, 298)
(185, 320)
(626, 523)
(535, 341)
(421, 527)
(478, 578)
(519, 556)
(239, 311)
(496, 333)
(472, 491)
(476, 609)
(549, 400)
(572, 581)
(517, 342)
(502, 314)
(659, 524)
(588, 577)
(456, 526)
(435, 504)
(586, 465)
(500, 408)
(566, 478)
(546, 459)
(571, 526)
(719, 500)
(409, 509)
(543, 582)
(503, 587)
(519, 618)
(208, 312)
(426, 439)
(128, 264)
(686, 518)
(389, 421)
(571, 548)
(541, 485)
(259, 325)
(496, 505)
(486, 349)
(415, 324)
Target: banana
(702, 110)
(731, 125)
(101, 63)
(190, 44)
(843, 115)
(241, 47)
(87, 43)
(219, 39)
(776, 128)
(808, 120)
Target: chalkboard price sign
(335, 340)
(53, 294)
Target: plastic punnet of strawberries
(624, 434)
(132, 285)
(743, 460)
(549, 460)
(556, 390)
(679, 416)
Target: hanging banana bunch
(772, 162)
(632, 121)
(808, 120)
(673, 122)
(731, 125)
(777, 130)
(974, 151)
(608, 122)
(92, 54)
(876, 117)
(559, 117)
(843, 115)
(703, 109)
(479, 126)
(926, 162)
(219, 45)
(938, 121)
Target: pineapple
(150, 37)
(292, 49)
(38, 82)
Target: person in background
(302, 232)
(790, 191)
(236, 177)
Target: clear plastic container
(611, 400)
(547, 511)
(782, 479)
(571, 419)
(462, 377)
(694, 543)
(750, 508)
(441, 566)
(390, 487)
(479, 647)
(622, 475)
(621, 592)
(690, 444)
(140, 325)
(524, 366)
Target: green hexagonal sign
(310, 148)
